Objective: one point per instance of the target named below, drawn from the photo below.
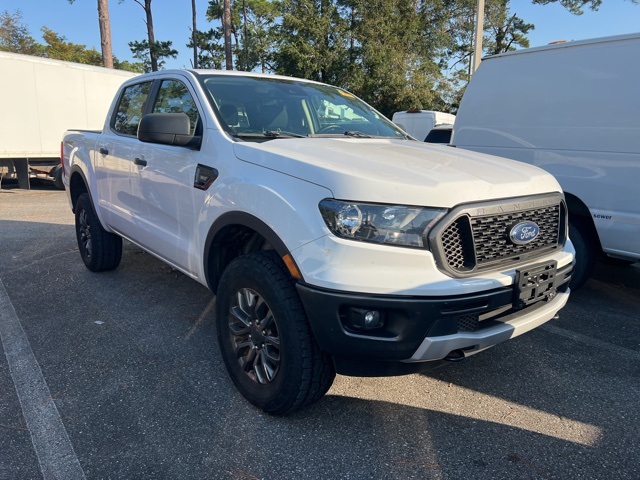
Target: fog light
(363, 319)
(372, 319)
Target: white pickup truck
(333, 242)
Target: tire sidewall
(245, 272)
(84, 205)
(106, 247)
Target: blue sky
(172, 19)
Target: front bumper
(436, 348)
(423, 329)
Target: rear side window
(129, 111)
(174, 97)
(439, 135)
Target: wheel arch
(232, 235)
(580, 213)
(78, 185)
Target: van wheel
(265, 339)
(584, 243)
(99, 249)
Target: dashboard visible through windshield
(262, 107)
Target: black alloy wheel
(100, 250)
(265, 338)
(254, 336)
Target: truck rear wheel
(264, 336)
(99, 249)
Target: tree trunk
(152, 39)
(244, 41)
(194, 34)
(226, 27)
(105, 33)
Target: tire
(265, 339)
(56, 173)
(99, 249)
(585, 246)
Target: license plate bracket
(535, 283)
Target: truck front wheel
(265, 339)
(99, 249)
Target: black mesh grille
(456, 242)
(477, 242)
(491, 233)
(468, 323)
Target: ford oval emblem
(524, 232)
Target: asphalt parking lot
(118, 375)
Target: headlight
(388, 224)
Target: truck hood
(397, 171)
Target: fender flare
(212, 270)
(73, 192)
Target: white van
(572, 109)
(418, 123)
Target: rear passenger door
(162, 181)
(115, 155)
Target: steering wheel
(331, 129)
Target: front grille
(477, 237)
(491, 233)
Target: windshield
(262, 107)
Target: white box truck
(572, 109)
(40, 99)
(418, 123)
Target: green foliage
(141, 51)
(59, 48)
(503, 31)
(135, 67)
(394, 66)
(379, 50)
(210, 51)
(574, 6)
(395, 54)
(507, 31)
(313, 42)
(14, 35)
(254, 29)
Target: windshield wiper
(355, 133)
(348, 133)
(282, 134)
(269, 134)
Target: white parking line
(50, 440)
(591, 342)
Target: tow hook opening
(455, 356)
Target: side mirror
(167, 129)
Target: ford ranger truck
(332, 241)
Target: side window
(173, 97)
(129, 110)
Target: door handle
(140, 161)
(103, 151)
